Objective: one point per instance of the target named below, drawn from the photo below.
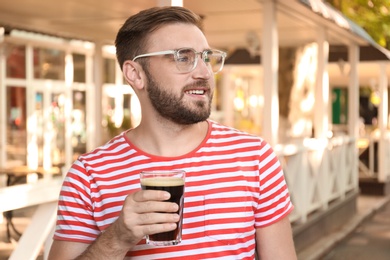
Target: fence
(318, 172)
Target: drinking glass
(173, 182)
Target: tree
(372, 15)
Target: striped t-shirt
(234, 184)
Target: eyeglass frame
(174, 52)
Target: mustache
(197, 84)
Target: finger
(158, 228)
(150, 223)
(154, 206)
(156, 218)
(146, 195)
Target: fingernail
(167, 195)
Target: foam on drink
(162, 181)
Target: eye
(185, 56)
(207, 55)
(182, 58)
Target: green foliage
(372, 15)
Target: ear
(133, 74)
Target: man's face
(183, 98)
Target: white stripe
(192, 254)
(127, 162)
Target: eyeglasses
(186, 59)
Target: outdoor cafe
(49, 112)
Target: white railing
(369, 168)
(43, 193)
(318, 172)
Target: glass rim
(176, 51)
(162, 172)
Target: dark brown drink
(175, 186)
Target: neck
(167, 138)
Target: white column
(382, 124)
(353, 92)
(69, 78)
(32, 146)
(227, 94)
(48, 137)
(321, 111)
(353, 107)
(3, 110)
(95, 102)
(270, 64)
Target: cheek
(159, 73)
(167, 79)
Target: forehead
(175, 36)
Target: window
(16, 125)
(16, 61)
(79, 68)
(109, 71)
(79, 130)
(49, 64)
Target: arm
(138, 218)
(275, 241)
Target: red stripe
(232, 186)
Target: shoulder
(105, 160)
(231, 138)
(219, 131)
(104, 157)
(116, 145)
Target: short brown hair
(131, 39)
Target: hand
(144, 213)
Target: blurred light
(315, 143)
(239, 103)
(2, 32)
(69, 70)
(135, 108)
(307, 103)
(110, 49)
(118, 110)
(375, 98)
(253, 101)
(32, 177)
(177, 3)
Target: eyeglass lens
(186, 60)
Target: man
(236, 199)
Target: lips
(196, 92)
(198, 88)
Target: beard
(174, 108)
